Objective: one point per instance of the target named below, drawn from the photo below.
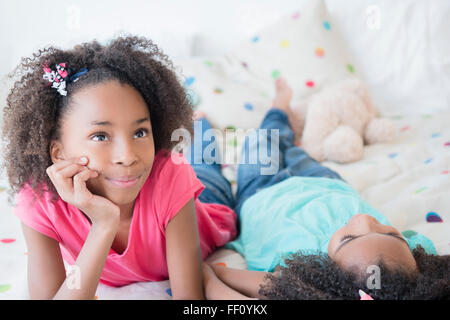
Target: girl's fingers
(64, 163)
(62, 178)
(70, 171)
(79, 185)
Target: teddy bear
(337, 122)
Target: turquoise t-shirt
(301, 213)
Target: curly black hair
(31, 117)
(318, 277)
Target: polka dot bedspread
(408, 180)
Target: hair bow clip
(60, 77)
(364, 296)
(57, 78)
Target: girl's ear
(56, 151)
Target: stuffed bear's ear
(361, 90)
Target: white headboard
(181, 28)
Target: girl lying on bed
(306, 234)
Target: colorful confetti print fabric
(302, 47)
(408, 180)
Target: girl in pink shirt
(88, 154)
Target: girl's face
(363, 241)
(109, 123)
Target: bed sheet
(408, 180)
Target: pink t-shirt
(168, 188)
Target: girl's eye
(103, 135)
(347, 237)
(395, 234)
(99, 135)
(142, 130)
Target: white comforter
(407, 180)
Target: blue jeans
(286, 159)
(208, 171)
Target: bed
(407, 179)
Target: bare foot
(282, 101)
(283, 95)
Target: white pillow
(402, 49)
(236, 89)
